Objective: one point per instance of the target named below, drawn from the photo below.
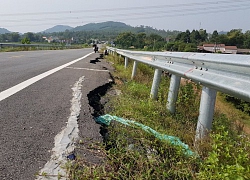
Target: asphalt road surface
(32, 117)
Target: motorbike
(95, 47)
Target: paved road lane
(31, 118)
(16, 67)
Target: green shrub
(228, 159)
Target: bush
(238, 103)
(228, 159)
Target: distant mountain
(3, 31)
(222, 32)
(58, 28)
(114, 28)
(108, 30)
(109, 25)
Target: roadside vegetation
(186, 41)
(40, 46)
(132, 153)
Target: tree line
(102, 31)
(140, 41)
(184, 41)
(142, 38)
(187, 41)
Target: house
(218, 48)
(243, 51)
(231, 50)
(51, 39)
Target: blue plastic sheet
(106, 119)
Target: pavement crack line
(101, 70)
(65, 140)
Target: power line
(146, 17)
(129, 8)
(173, 13)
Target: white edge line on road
(65, 140)
(9, 92)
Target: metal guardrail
(228, 73)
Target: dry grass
(239, 118)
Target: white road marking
(88, 69)
(16, 56)
(64, 141)
(9, 92)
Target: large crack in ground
(98, 98)
(95, 97)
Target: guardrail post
(156, 83)
(126, 62)
(173, 93)
(134, 69)
(206, 112)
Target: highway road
(36, 101)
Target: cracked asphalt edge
(65, 140)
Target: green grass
(132, 153)
(13, 49)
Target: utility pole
(154, 45)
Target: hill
(106, 31)
(109, 25)
(115, 28)
(58, 28)
(3, 31)
(223, 32)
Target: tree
(184, 37)
(246, 43)
(125, 40)
(222, 39)
(170, 46)
(140, 40)
(30, 36)
(155, 42)
(195, 37)
(235, 37)
(215, 36)
(187, 36)
(14, 37)
(3, 38)
(203, 34)
(25, 41)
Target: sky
(36, 16)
